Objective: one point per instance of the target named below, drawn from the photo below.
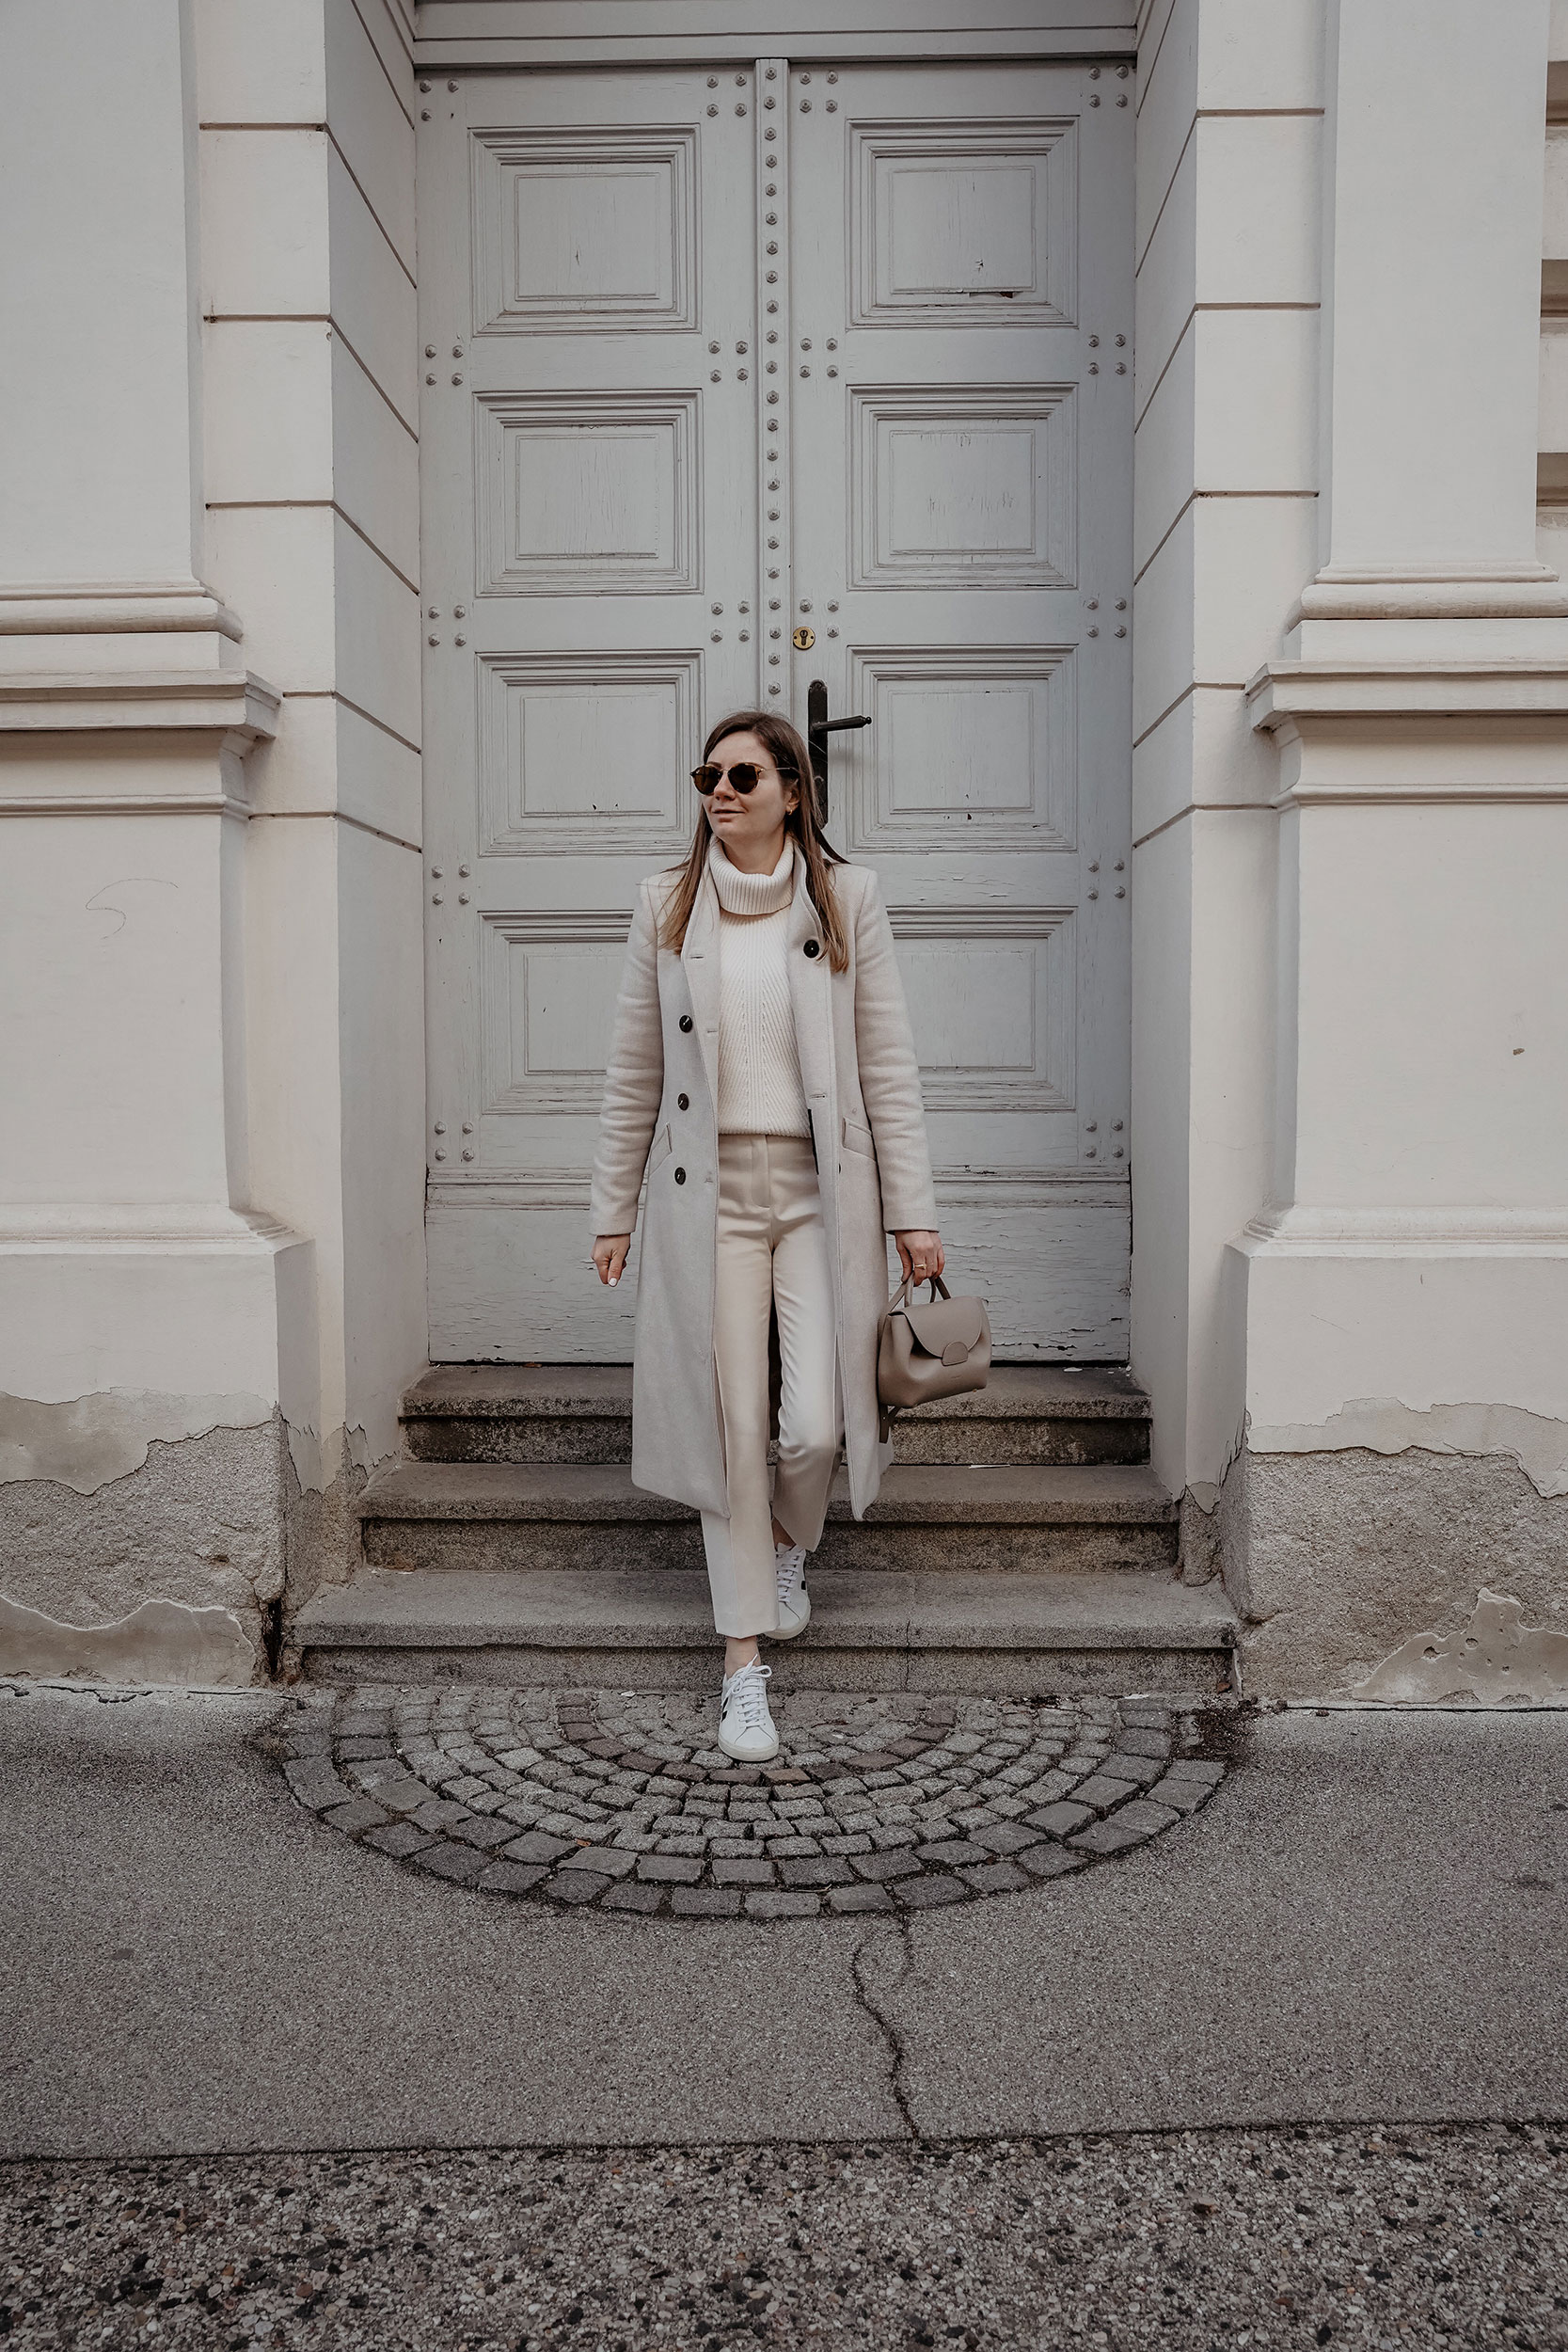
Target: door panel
(590, 503)
(714, 357)
(962, 518)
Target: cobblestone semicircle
(614, 1802)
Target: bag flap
(945, 1323)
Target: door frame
(476, 37)
(470, 34)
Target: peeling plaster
(1496, 1657)
(88, 1441)
(318, 1464)
(161, 1641)
(1384, 1425)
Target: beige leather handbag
(941, 1348)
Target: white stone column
(99, 416)
(1403, 1294)
(151, 1311)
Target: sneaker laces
(746, 1692)
(789, 1566)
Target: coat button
(683, 1102)
(812, 948)
(680, 1175)
(686, 1020)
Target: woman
(763, 1072)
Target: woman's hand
(609, 1256)
(920, 1255)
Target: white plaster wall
(1224, 534)
(111, 932)
(309, 262)
(1432, 1065)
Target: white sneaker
(745, 1726)
(789, 1564)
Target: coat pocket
(858, 1138)
(660, 1149)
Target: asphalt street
(1194, 2242)
(1365, 1926)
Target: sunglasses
(745, 775)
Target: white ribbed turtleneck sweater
(759, 1071)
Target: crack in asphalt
(892, 1939)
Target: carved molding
(1414, 731)
(880, 769)
(963, 486)
(464, 34)
(1043, 292)
(545, 992)
(221, 713)
(1042, 1078)
(608, 689)
(555, 427)
(570, 155)
(112, 608)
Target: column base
(153, 1364)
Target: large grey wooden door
(734, 380)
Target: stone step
(1043, 1413)
(588, 1518)
(652, 1630)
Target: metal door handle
(818, 727)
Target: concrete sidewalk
(1365, 1923)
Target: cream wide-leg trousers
(772, 1252)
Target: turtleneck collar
(752, 893)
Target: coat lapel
(700, 962)
(810, 992)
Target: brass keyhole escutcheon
(803, 639)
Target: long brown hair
(790, 757)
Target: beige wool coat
(868, 1128)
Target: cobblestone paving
(606, 1800)
(1198, 2241)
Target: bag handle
(900, 1299)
